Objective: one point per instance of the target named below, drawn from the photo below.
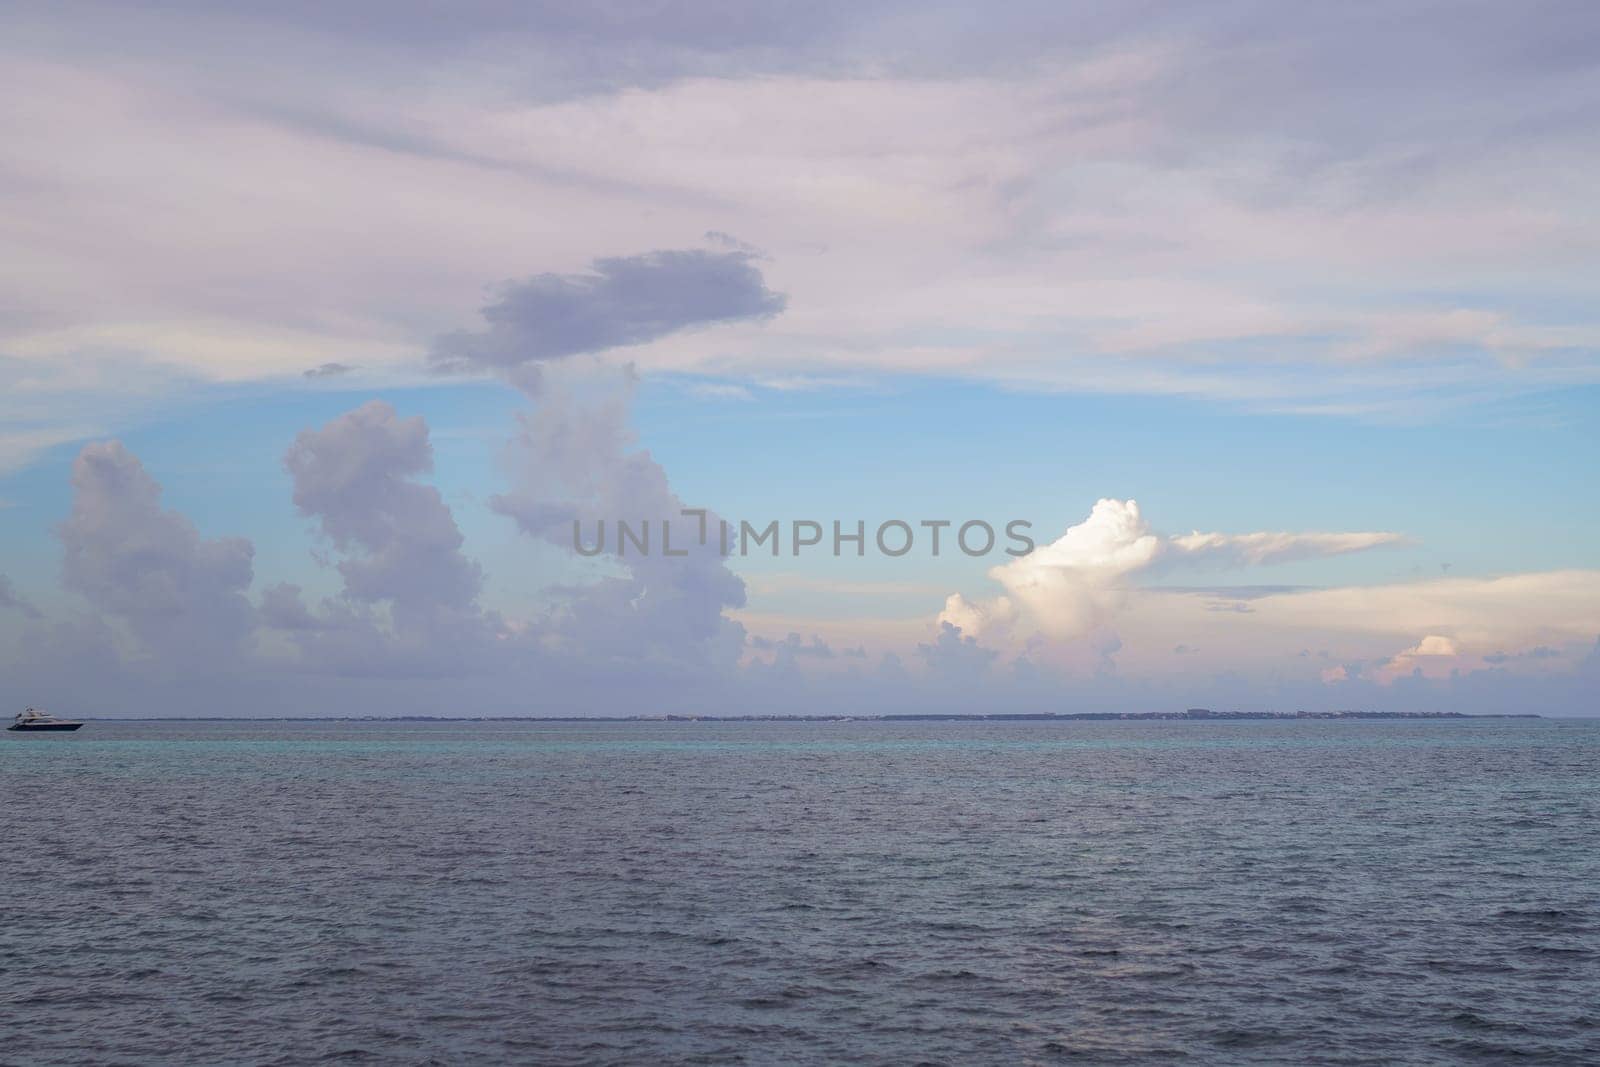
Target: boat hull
(31, 728)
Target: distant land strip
(1192, 714)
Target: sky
(324, 327)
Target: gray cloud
(574, 460)
(794, 647)
(1536, 653)
(282, 609)
(356, 476)
(180, 596)
(954, 657)
(621, 301)
(408, 607)
(588, 48)
(328, 370)
(14, 601)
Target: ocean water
(1225, 892)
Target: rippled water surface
(1229, 892)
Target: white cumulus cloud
(1082, 579)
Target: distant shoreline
(1192, 715)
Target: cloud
(1006, 202)
(408, 605)
(18, 448)
(1379, 634)
(181, 596)
(1075, 583)
(1537, 652)
(993, 616)
(787, 652)
(621, 301)
(1434, 656)
(357, 476)
(1228, 592)
(956, 657)
(169, 606)
(172, 631)
(282, 609)
(574, 461)
(1479, 615)
(1080, 581)
(1255, 549)
(1433, 645)
(720, 391)
(328, 370)
(12, 600)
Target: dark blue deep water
(1227, 892)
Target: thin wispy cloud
(719, 391)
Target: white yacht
(38, 719)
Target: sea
(1228, 892)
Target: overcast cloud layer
(1342, 209)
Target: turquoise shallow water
(1104, 892)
